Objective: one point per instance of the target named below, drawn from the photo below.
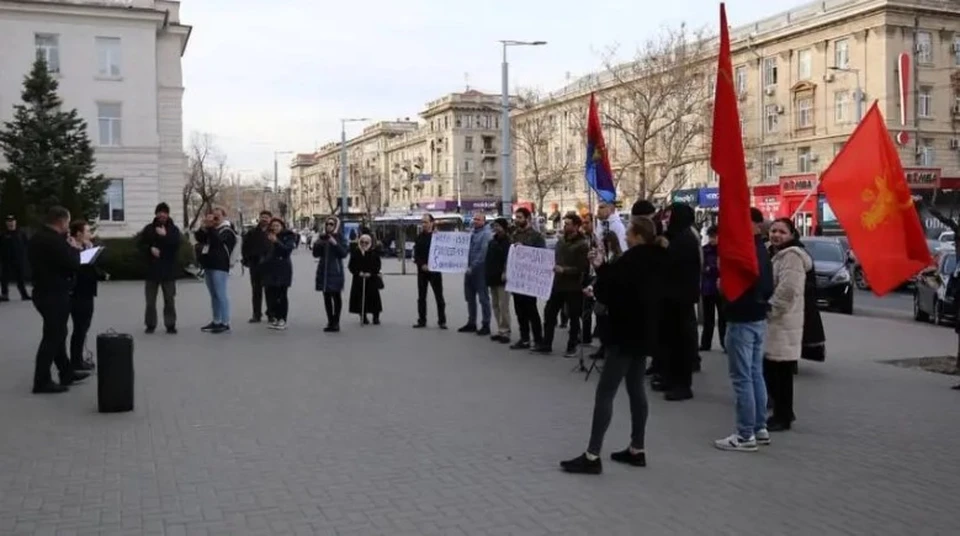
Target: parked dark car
(832, 265)
(933, 294)
(856, 271)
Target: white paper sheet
(87, 255)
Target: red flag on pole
(737, 252)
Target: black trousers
(778, 375)
(572, 300)
(54, 309)
(333, 305)
(81, 313)
(528, 318)
(629, 369)
(277, 303)
(12, 271)
(713, 315)
(679, 345)
(256, 286)
(434, 280)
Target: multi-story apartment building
(798, 75)
(449, 159)
(118, 64)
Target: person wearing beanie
(646, 209)
(495, 270)
(159, 243)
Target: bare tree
(656, 103)
(369, 189)
(329, 190)
(206, 174)
(541, 171)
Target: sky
(263, 79)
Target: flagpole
(806, 198)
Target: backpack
(236, 252)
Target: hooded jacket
(330, 276)
(630, 292)
(684, 256)
(571, 256)
(164, 267)
(216, 246)
(784, 340)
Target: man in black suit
(55, 259)
(13, 248)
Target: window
(456, 121)
(740, 79)
(48, 49)
(924, 47)
(804, 161)
(804, 64)
(109, 118)
(468, 166)
(108, 56)
(111, 208)
(841, 54)
(468, 144)
(956, 51)
(770, 166)
(770, 71)
(841, 107)
(805, 112)
(772, 114)
(925, 100)
(927, 156)
(837, 147)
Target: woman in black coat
(367, 281)
(629, 293)
(277, 271)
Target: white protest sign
(449, 252)
(530, 271)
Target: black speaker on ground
(114, 372)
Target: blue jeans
(474, 288)
(745, 357)
(219, 299)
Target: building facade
(449, 159)
(118, 63)
(798, 75)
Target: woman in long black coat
(277, 270)
(367, 280)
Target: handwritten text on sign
(449, 252)
(530, 271)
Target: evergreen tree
(49, 156)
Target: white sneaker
(736, 443)
(273, 324)
(280, 325)
(763, 437)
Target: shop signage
(797, 184)
(688, 197)
(709, 197)
(922, 178)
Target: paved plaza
(389, 430)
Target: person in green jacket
(572, 264)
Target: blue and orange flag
(867, 190)
(598, 173)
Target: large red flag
(867, 190)
(737, 252)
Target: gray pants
(619, 367)
(169, 289)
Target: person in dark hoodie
(159, 243)
(82, 298)
(495, 270)
(276, 271)
(713, 314)
(746, 331)
(13, 259)
(679, 323)
(572, 265)
(253, 250)
(629, 296)
(426, 278)
(330, 249)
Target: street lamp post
(343, 161)
(505, 123)
(857, 93)
(276, 188)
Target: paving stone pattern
(388, 430)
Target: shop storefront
(466, 205)
(766, 198)
(688, 197)
(798, 201)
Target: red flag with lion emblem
(867, 190)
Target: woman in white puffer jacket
(784, 342)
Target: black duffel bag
(114, 372)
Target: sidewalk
(393, 431)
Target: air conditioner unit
(770, 90)
(742, 96)
(779, 110)
(956, 47)
(749, 164)
(955, 109)
(954, 143)
(778, 161)
(828, 77)
(814, 157)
